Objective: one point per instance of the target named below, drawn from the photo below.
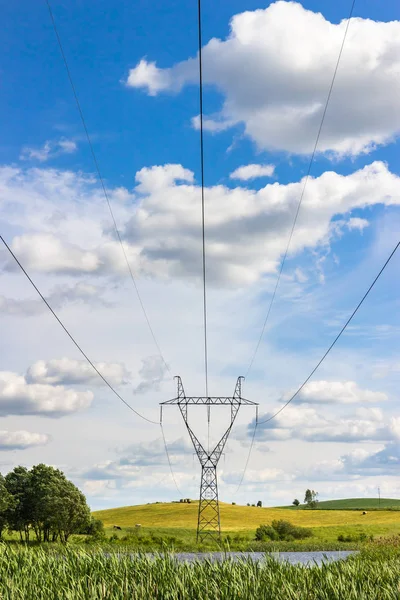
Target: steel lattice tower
(209, 523)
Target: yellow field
(237, 518)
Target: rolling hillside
(241, 518)
(355, 504)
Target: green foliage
(361, 537)
(45, 502)
(296, 502)
(95, 528)
(311, 498)
(259, 504)
(43, 574)
(7, 503)
(282, 530)
(266, 532)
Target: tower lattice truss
(209, 523)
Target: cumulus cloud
(247, 230)
(61, 295)
(50, 149)
(151, 373)
(274, 70)
(20, 440)
(247, 172)
(305, 423)
(259, 476)
(66, 371)
(136, 456)
(336, 392)
(19, 397)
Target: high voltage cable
(303, 190)
(169, 459)
(202, 193)
(322, 358)
(72, 338)
(101, 180)
(203, 215)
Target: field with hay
(180, 520)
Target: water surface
(294, 558)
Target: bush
(265, 533)
(362, 537)
(95, 528)
(282, 530)
(233, 503)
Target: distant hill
(354, 504)
(236, 517)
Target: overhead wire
(203, 211)
(71, 336)
(169, 459)
(393, 252)
(307, 177)
(101, 180)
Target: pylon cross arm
(208, 516)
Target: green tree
(7, 503)
(259, 504)
(296, 502)
(58, 507)
(19, 516)
(311, 498)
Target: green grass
(354, 504)
(70, 574)
(176, 523)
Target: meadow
(54, 573)
(176, 522)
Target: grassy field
(355, 504)
(71, 574)
(180, 520)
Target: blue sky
(263, 99)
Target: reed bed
(71, 574)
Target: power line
(169, 459)
(303, 190)
(322, 358)
(202, 192)
(97, 167)
(71, 337)
(336, 338)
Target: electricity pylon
(209, 524)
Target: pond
(294, 558)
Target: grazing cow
(117, 527)
(364, 512)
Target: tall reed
(71, 574)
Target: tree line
(43, 502)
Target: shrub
(265, 533)
(95, 528)
(282, 530)
(233, 503)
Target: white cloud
(256, 476)
(20, 440)
(247, 172)
(276, 83)
(50, 149)
(18, 397)
(247, 230)
(66, 371)
(336, 392)
(151, 373)
(135, 457)
(357, 223)
(58, 297)
(305, 423)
